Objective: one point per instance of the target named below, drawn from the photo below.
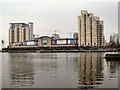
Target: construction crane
(55, 35)
(55, 31)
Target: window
(44, 42)
(17, 34)
(24, 33)
(88, 44)
(82, 44)
(88, 15)
(12, 36)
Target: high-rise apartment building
(31, 30)
(18, 33)
(90, 30)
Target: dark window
(17, 34)
(12, 36)
(44, 42)
(85, 28)
(24, 31)
(80, 31)
(91, 29)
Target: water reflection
(113, 67)
(59, 70)
(90, 70)
(21, 71)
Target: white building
(114, 38)
(31, 30)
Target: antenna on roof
(56, 31)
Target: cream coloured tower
(18, 33)
(91, 30)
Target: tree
(2, 42)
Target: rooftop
(19, 23)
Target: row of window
(89, 44)
(85, 27)
(12, 35)
(18, 35)
(24, 30)
(18, 32)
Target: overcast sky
(50, 15)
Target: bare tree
(2, 42)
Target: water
(58, 70)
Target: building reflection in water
(113, 67)
(90, 70)
(21, 71)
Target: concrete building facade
(90, 30)
(44, 41)
(18, 33)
